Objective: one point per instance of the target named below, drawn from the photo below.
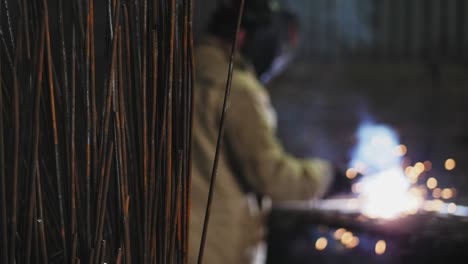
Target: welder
(252, 158)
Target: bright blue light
(375, 149)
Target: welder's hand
(340, 185)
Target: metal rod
(16, 153)
(170, 83)
(220, 135)
(89, 134)
(72, 143)
(55, 131)
(40, 219)
(10, 28)
(36, 129)
(3, 202)
(142, 86)
(25, 15)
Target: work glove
(340, 186)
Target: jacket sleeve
(265, 165)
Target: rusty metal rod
(104, 198)
(36, 129)
(55, 131)
(140, 206)
(25, 15)
(89, 133)
(73, 174)
(40, 215)
(94, 111)
(16, 153)
(10, 28)
(153, 141)
(191, 80)
(3, 202)
(145, 131)
(169, 127)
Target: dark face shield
(271, 48)
(272, 34)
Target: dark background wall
(384, 29)
(375, 29)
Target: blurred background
(399, 63)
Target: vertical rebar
(136, 211)
(55, 131)
(220, 135)
(3, 202)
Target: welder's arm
(260, 156)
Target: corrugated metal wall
(390, 30)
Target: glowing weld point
(351, 173)
(431, 183)
(339, 233)
(419, 167)
(450, 164)
(321, 244)
(427, 165)
(400, 150)
(452, 208)
(447, 193)
(388, 195)
(353, 243)
(347, 238)
(384, 191)
(380, 247)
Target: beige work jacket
(250, 151)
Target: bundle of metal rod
(95, 130)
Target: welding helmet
(273, 46)
(270, 30)
(257, 14)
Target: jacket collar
(239, 61)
